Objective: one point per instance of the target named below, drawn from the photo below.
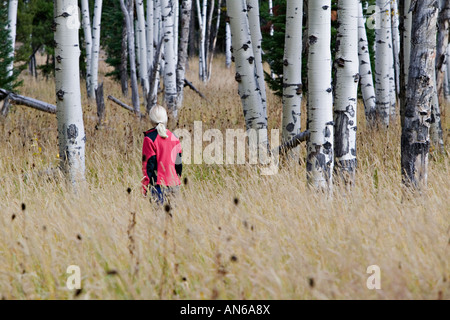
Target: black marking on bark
(327, 132)
(238, 77)
(312, 39)
(325, 7)
(59, 59)
(245, 47)
(65, 15)
(341, 138)
(350, 110)
(60, 94)
(285, 62)
(72, 131)
(290, 127)
(251, 59)
(340, 62)
(299, 90)
(329, 90)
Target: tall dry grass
(232, 233)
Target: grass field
(232, 233)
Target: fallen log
(124, 105)
(294, 142)
(190, 85)
(120, 103)
(17, 99)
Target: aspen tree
(320, 158)
(292, 70)
(227, 44)
(12, 27)
(170, 81)
(127, 11)
(415, 141)
(256, 38)
(96, 23)
(382, 59)
(185, 10)
(69, 114)
(346, 91)
(86, 22)
(142, 46)
(245, 70)
(365, 69)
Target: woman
(161, 158)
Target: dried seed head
(112, 272)
(311, 282)
(78, 292)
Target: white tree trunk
(392, 85)
(245, 70)
(213, 47)
(442, 45)
(156, 21)
(149, 32)
(186, 9)
(447, 74)
(436, 133)
(227, 45)
(86, 22)
(415, 141)
(137, 49)
(346, 95)
(292, 71)
(170, 81)
(71, 136)
(320, 159)
(382, 67)
(96, 22)
(407, 39)
(127, 11)
(256, 38)
(201, 13)
(271, 15)
(176, 8)
(143, 66)
(12, 22)
(365, 69)
(396, 42)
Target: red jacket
(161, 160)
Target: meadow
(232, 233)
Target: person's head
(158, 118)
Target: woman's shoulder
(171, 134)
